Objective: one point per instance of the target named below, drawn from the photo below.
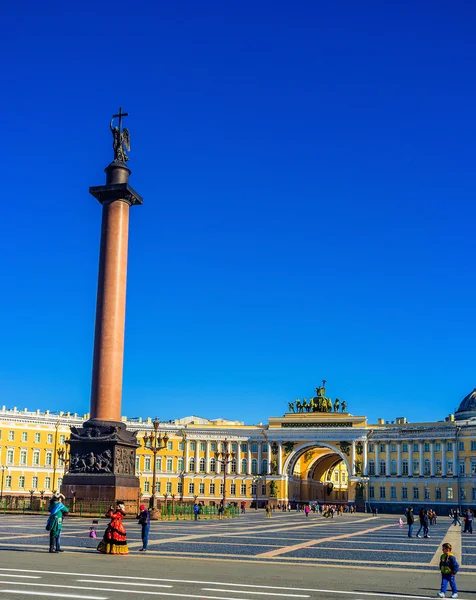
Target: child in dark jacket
(449, 567)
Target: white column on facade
(249, 458)
(410, 457)
(387, 459)
(455, 466)
(352, 458)
(238, 457)
(377, 466)
(270, 458)
(228, 466)
(443, 457)
(366, 462)
(259, 457)
(185, 467)
(197, 456)
(399, 459)
(280, 458)
(207, 457)
(432, 459)
(422, 465)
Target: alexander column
(102, 452)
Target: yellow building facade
(328, 457)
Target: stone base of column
(102, 464)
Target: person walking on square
(196, 511)
(114, 540)
(449, 567)
(410, 521)
(268, 511)
(144, 522)
(421, 516)
(55, 521)
(307, 510)
(456, 520)
(468, 521)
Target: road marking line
(287, 595)
(452, 536)
(22, 576)
(288, 549)
(55, 594)
(160, 585)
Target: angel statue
(121, 142)
(336, 405)
(344, 406)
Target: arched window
(438, 466)
(233, 466)
(427, 466)
(191, 465)
(244, 465)
(393, 466)
(213, 465)
(254, 466)
(202, 465)
(264, 466)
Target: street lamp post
(61, 453)
(58, 423)
(155, 442)
(225, 457)
(3, 468)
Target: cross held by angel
(121, 138)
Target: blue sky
(308, 180)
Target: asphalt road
(353, 557)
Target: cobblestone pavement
(359, 540)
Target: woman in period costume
(114, 540)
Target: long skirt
(114, 540)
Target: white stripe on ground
(22, 576)
(56, 595)
(160, 585)
(452, 536)
(286, 595)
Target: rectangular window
(263, 489)
(449, 493)
(415, 448)
(47, 483)
(213, 446)
(254, 447)
(393, 493)
(461, 446)
(49, 439)
(49, 459)
(11, 436)
(169, 464)
(404, 447)
(192, 445)
(212, 489)
(427, 493)
(221, 489)
(191, 488)
(449, 467)
(253, 489)
(371, 492)
(8, 481)
(473, 446)
(23, 457)
(146, 487)
(416, 467)
(34, 482)
(36, 458)
(427, 446)
(180, 464)
(179, 487)
(416, 493)
(393, 447)
(382, 467)
(37, 438)
(462, 467)
(233, 489)
(371, 448)
(203, 446)
(24, 436)
(405, 467)
(62, 439)
(243, 489)
(234, 448)
(147, 463)
(404, 493)
(244, 447)
(371, 467)
(382, 492)
(438, 466)
(157, 487)
(137, 463)
(438, 447)
(170, 445)
(21, 482)
(180, 445)
(473, 467)
(168, 487)
(449, 446)
(10, 457)
(158, 463)
(427, 467)
(265, 448)
(438, 493)
(382, 447)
